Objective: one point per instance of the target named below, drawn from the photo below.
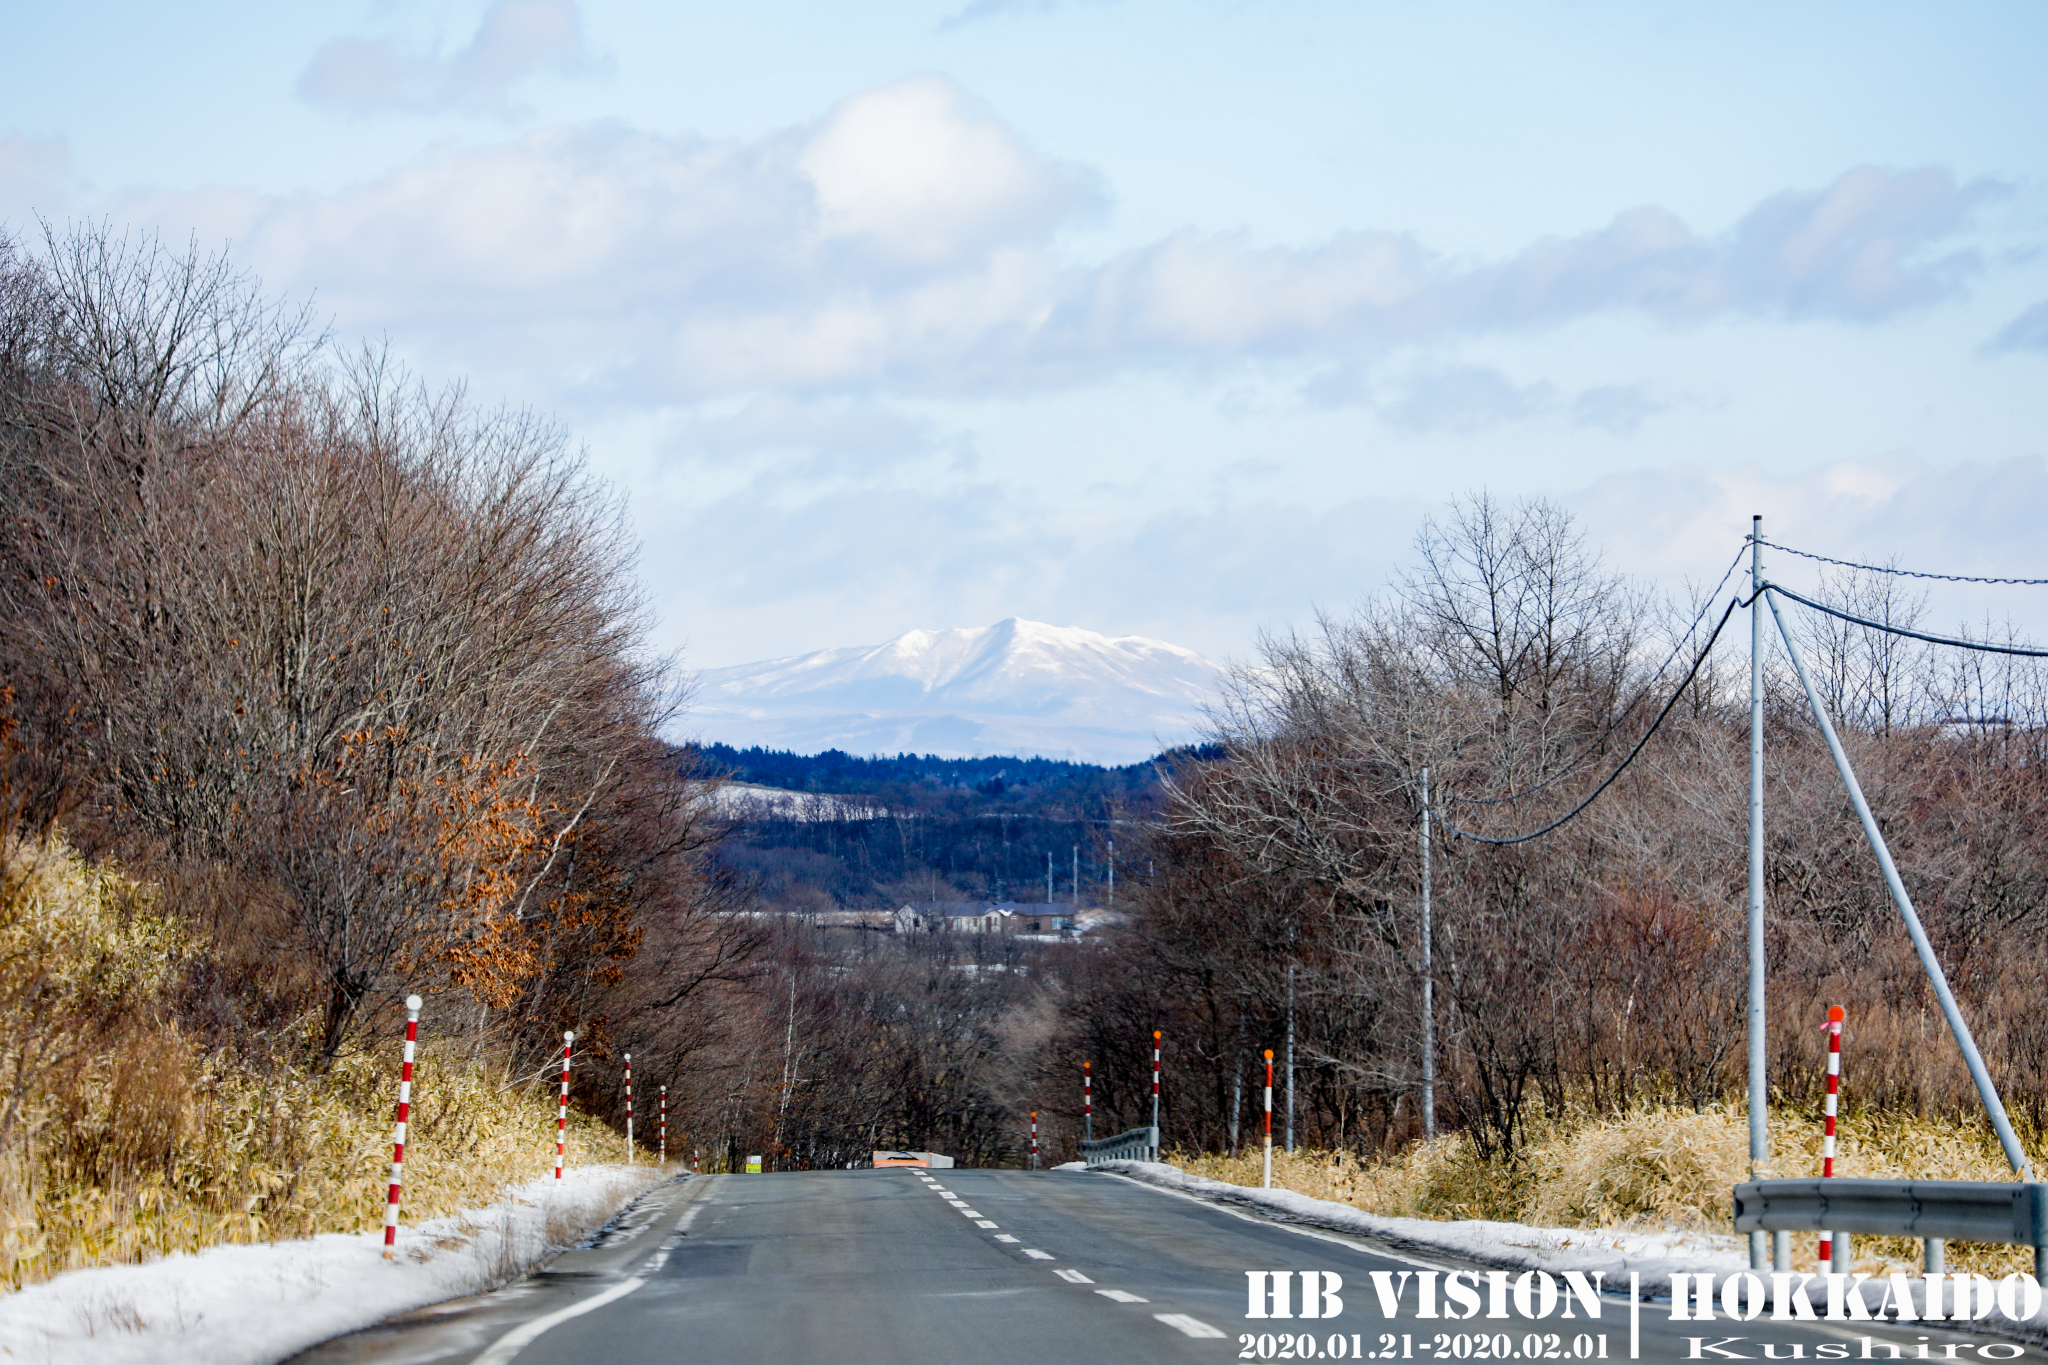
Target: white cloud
(918, 173)
(909, 241)
(761, 577)
(515, 40)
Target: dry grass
(1653, 1169)
(139, 1143)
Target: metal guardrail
(1951, 1210)
(1139, 1144)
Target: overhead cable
(1981, 647)
(1621, 714)
(1908, 573)
(1594, 795)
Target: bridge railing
(1139, 1144)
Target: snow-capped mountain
(1016, 687)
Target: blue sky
(1150, 317)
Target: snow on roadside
(258, 1303)
(1656, 1256)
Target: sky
(1159, 317)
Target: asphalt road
(905, 1267)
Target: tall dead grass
(130, 1141)
(1653, 1169)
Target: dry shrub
(1655, 1168)
(1652, 1168)
(144, 1143)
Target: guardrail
(1938, 1210)
(1139, 1144)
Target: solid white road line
(1186, 1325)
(1121, 1296)
(1073, 1277)
(516, 1340)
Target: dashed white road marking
(1121, 1296)
(1073, 1277)
(1004, 1237)
(1039, 1255)
(1187, 1326)
(969, 1213)
(957, 1203)
(983, 1223)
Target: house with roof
(981, 917)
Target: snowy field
(250, 1305)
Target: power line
(1594, 795)
(1906, 573)
(1619, 716)
(1979, 646)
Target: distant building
(982, 917)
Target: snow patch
(250, 1305)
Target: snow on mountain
(1016, 687)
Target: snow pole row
(412, 1035)
(396, 1187)
(1833, 1029)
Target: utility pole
(1048, 877)
(1759, 1096)
(1112, 872)
(1428, 981)
(1077, 879)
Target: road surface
(907, 1267)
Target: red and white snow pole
(562, 1109)
(1034, 1139)
(1155, 1086)
(664, 1125)
(1833, 1029)
(1087, 1101)
(412, 1034)
(629, 1109)
(1269, 1118)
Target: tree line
(1602, 966)
(355, 669)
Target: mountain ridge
(1017, 686)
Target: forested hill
(1013, 782)
(982, 827)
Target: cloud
(1464, 399)
(1616, 408)
(918, 173)
(2027, 332)
(812, 439)
(910, 241)
(515, 40)
(866, 565)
